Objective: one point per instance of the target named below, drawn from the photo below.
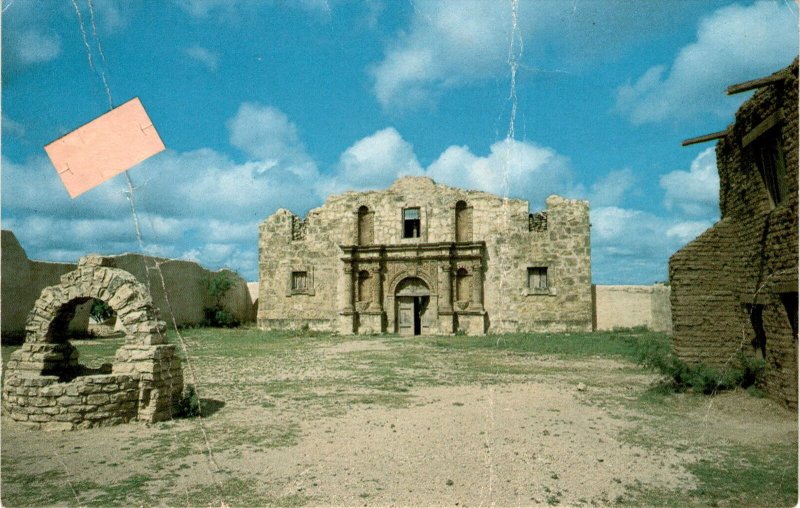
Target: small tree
(216, 287)
(100, 310)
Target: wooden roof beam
(755, 83)
(703, 139)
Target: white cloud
(519, 169)
(200, 198)
(734, 44)
(233, 8)
(373, 162)
(445, 46)
(612, 188)
(12, 128)
(633, 246)
(33, 46)
(694, 192)
(265, 133)
(685, 232)
(204, 56)
(448, 45)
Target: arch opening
(412, 298)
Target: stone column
(445, 292)
(477, 286)
(348, 289)
(377, 301)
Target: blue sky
(269, 104)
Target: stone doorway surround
(412, 298)
(433, 264)
(46, 387)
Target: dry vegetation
(310, 419)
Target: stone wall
(618, 307)
(735, 286)
(21, 282)
(492, 258)
(45, 386)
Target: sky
(278, 104)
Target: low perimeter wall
(615, 307)
(23, 280)
(21, 283)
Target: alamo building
(423, 258)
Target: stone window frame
(550, 290)
(761, 138)
(309, 289)
(423, 230)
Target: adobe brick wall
(499, 248)
(749, 257)
(631, 306)
(21, 282)
(24, 279)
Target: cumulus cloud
(734, 44)
(611, 189)
(521, 169)
(444, 47)
(200, 197)
(633, 246)
(694, 192)
(373, 162)
(447, 46)
(230, 8)
(12, 127)
(204, 56)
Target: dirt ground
(311, 429)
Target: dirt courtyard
(383, 421)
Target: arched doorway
(412, 298)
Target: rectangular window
(789, 301)
(537, 277)
(299, 281)
(768, 156)
(411, 223)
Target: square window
(537, 277)
(411, 223)
(299, 281)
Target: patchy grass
(271, 386)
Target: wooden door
(405, 315)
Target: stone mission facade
(734, 288)
(424, 258)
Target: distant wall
(21, 283)
(23, 280)
(632, 306)
(186, 295)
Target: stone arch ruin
(46, 387)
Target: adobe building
(735, 286)
(424, 258)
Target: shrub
(189, 403)
(216, 287)
(745, 372)
(100, 310)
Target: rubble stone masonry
(424, 258)
(46, 387)
(735, 286)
